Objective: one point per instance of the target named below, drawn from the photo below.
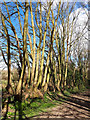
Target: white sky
(82, 19)
(2, 64)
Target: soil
(77, 106)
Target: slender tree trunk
(34, 44)
(8, 57)
(19, 87)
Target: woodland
(45, 54)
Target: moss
(67, 93)
(74, 90)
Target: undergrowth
(31, 107)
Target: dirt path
(75, 107)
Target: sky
(85, 1)
(80, 25)
(80, 22)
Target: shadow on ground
(75, 107)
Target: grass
(88, 86)
(39, 106)
(75, 90)
(31, 108)
(67, 93)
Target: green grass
(76, 90)
(32, 108)
(39, 106)
(88, 87)
(67, 93)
